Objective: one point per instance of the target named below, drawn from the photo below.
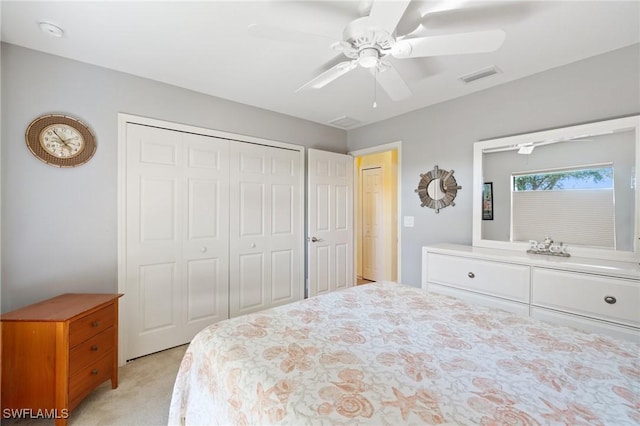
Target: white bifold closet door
(265, 210)
(211, 232)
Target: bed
(390, 354)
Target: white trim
(123, 119)
(374, 150)
(145, 121)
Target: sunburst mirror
(437, 189)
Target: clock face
(61, 141)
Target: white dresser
(590, 294)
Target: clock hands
(64, 142)
(67, 145)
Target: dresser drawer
(586, 294)
(89, 377)
(85, 327)
(90, 350)
(504, 280)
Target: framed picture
(487, 201)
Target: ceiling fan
(370, 40)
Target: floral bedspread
(388, 354)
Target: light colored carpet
(142, 397)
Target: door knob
(315, 240)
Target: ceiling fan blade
(286, 35)
(328, 76)
(392, 83)
(451, 44)
(386, 14)
(364, 7)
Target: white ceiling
(206, 47)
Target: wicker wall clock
(60, 140)
(437, 189)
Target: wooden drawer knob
(96, 324)
(94, 372)
(471, 275)
(94, 348)
(610, 300)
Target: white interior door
(373, 258)
(265, 203)
(177, 224)
(330, 221)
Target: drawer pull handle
(610, 300)
(94, 348)
(96, 323)
(471, 275)
(94, 372)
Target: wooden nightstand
(54, 353)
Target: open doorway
(376, 213)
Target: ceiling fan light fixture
(368, 57)
(526, 149)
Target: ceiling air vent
(477, 75)
(344, 122)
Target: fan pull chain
(375, 86)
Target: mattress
(390, 354)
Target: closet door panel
(205, 232)
(152, 307)
(282, 220)
(264, 211)
(204, 300)
(249, 206)
(283, 276)
(177, 237)
(251, 209)
(286, 258)
(283, 256)
(251, 282)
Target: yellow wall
(388, 161)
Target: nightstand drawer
(606, 298)
(509, 281)
(90, 325)
(89, 377)
(91, 350)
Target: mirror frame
(560, 134)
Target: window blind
(582, 217)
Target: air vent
(344, 122)
(483, 73)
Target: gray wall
(605, 86)
(59, 225)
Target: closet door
(265, 258)
(176, 237)
(205, 247)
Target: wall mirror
(577, 185)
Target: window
(586, 178)
(565, 202)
